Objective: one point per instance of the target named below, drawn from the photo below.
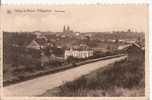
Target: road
(41, 84)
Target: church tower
(64, 29)
(68, 28)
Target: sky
(88, 18)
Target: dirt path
(40, 85)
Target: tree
(71, 59)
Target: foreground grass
(125, 78)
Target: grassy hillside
(125, 78)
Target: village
(31, 55)
(35, 52)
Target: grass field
(124, 78)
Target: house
(121, 47)
(40, 50)
(44, 51)
(38, 43)
(78, 52)
(134, 52)
(34, 45)
(40, 35)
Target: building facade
(76, 53)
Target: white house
(76, 53)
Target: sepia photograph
(75, 51)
